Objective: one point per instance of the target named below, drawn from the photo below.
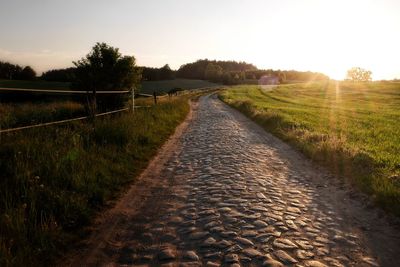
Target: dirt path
(224, 192)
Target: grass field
(147, 87)
(353, 128)
(34, 84)
(54, 179)
(162, 87)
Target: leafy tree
(156, 74)
(27, 73)
(213, 72)
(226, 78)
(358, 74)
(166, 73)
(104, 68)
(196, 70)
(9, 71)
(60, 75)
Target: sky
(315, 35)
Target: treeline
(157, 74)
(232, 72)
(198, 69)
(148, 74)
(225, 72)
(10, 71)
(287, 75)
(60, 75)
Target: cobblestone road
(236, 196)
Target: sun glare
(329, 37)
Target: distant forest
(224, 72)
(10, 71)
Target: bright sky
(326, 36)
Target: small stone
(212, 264)
(224, 243)
(188, 264)
(291, 225)
(234, 249)
(304, 244)
(304, 254)
(272, 263)
(228, 233)
(284, 243)
(244, 241)
(260, 223)
(284, 257)
(245, 259)
(213, 255)
(294, 210)
(198, 235)
(314, 263)
(175, 220)
(225, 209)
(322, 251)
(370, 261)
(249, 233)
(167, 237)
(191, 255)
(209, 242)
(252, 253)
(322, 240)
(261, 195)
(217, 229)
(166, 254)
(231, 258)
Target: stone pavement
(236, 196)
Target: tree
(27, 73)
(166, 73)
(104, 68)
(9, 71)
(213, 72)
(59, 75)
(358, 74)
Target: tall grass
(54, 179)
(23, 114)
(352, 128)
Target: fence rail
(70, 92)
(68, 120)
(51, 91)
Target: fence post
(133, 99)
(94, 106)
(155, 97)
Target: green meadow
(352, 128)
(162, 87)
(146, 87)
(34, 84)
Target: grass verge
(54, 179)
(351, 128)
